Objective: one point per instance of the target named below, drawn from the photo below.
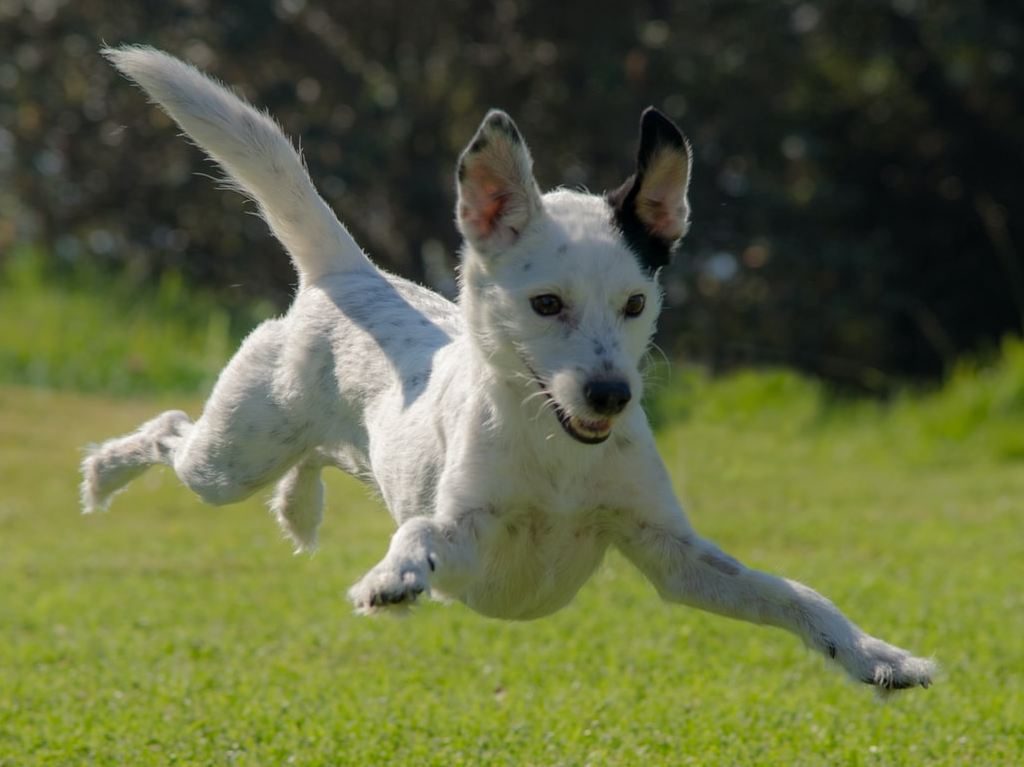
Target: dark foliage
(856, 182)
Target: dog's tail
(259, 159)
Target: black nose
(607, 397)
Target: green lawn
(167, 632)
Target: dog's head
(560, 289)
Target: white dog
(504, 432)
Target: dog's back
(357, 345)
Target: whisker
(530, 397)
(661, 351)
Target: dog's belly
(532, 564)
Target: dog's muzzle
(607, 397)
(589, 432)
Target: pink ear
(484, 198)
(661, 200)
(498, 195)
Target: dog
(503, 431)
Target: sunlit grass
(93, 332)
(168, 632)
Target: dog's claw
(888, 668)
(382, 588)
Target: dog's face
(560, 290)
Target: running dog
(504, 431)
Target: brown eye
(635, 305)
(547, 305)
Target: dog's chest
(534, 561)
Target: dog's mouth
(589, 432)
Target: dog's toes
(384, 589)
(890, 669)
(907, 672)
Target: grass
(88, 331)
(167, 632)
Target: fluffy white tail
(259, 159)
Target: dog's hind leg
(298, 503)
(253, 429)
(111, 465)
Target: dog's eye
(547, 305)
(635, 305)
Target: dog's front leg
(688, 569)
(424, 552)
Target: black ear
(651, 208)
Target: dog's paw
(886, 667)
(388, 588)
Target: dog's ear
(498, 196)
(651, 208)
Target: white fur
(438, 406)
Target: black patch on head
(653, 251)
(656, 132)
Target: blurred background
(856, 192)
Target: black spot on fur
(479, 144)
(562, 248)
(503, 123)
(722, 563)
(527, 266)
